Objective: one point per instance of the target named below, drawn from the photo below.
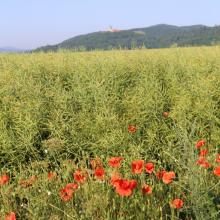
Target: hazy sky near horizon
(29, 24)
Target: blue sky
(32, 23)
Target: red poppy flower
(115, 162)
(125, 187)
(177, 203)
(168, 177)
(149, 167)
(217, 171)
(133, 184)
(137, 166)
(66, 194)
(206, 165)
(217, 160)
(115, 179)
(159, 174)
(203, 163)
(146, 189)
(71, 186)
(79, 176)
(51, 175)
(200, 143)
(4, 179)
(166, 114)
(200, 161)
(132, 129)
(203, 153)
(11, 216)
(99, 173)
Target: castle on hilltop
(113, 30)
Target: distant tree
(82, 48)
(174, 45)
(133, 44)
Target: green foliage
(64, 106)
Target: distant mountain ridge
(157, 36)
(10, 50)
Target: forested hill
(158, 36)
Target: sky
(28, 24)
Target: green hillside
(159, 36)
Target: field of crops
(110, 135)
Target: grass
(60, 110)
